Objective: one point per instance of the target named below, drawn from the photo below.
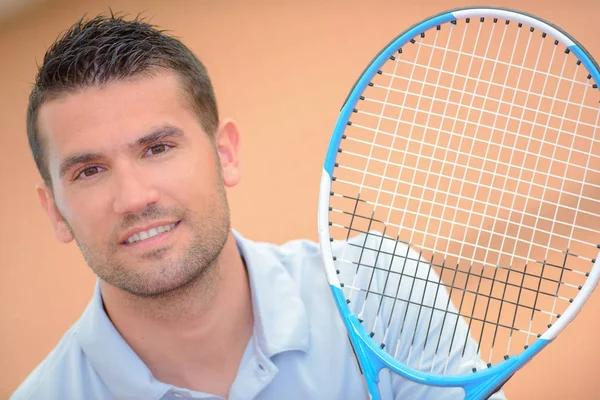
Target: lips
(136, 237)
(139, 234)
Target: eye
(157, 149)
(89, 171)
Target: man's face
(137, 182)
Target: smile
(150, 233)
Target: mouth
(150, 233)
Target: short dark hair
(104, 49)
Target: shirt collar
(280, 324)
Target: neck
(184, 337)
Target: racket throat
(369, 369)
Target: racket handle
(373, 389)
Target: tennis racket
(459, 211)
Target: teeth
(150, 233)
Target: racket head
(374, 237)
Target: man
(124, 129)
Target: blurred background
(282, 70)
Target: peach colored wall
(282, 69)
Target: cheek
(198, 175)
(196, 187)
(88, 213)
(192, 189)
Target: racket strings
(441, 267)
(364, 176)
(534, 288)
(446, 311)
(498, 62)
(457, 119)
(462, 93)
(457, 272)
(581, 197)
(476, 246)
(397, 183)
(478, 96)
(430, 113)
(528, 198)
(561, 186)
(471, 167)
(437, 161)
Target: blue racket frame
(370, 356)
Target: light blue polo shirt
(298, 351)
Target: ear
(60, 227)
(227, 142)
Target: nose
(134, 190)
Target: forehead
(111, 114)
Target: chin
(156, 283)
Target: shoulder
(63, 374)
(301, 259)
(293, 250)
(302, 263)
(297, 263)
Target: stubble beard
(163, 276)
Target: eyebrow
(161, 133)
(157, 134)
